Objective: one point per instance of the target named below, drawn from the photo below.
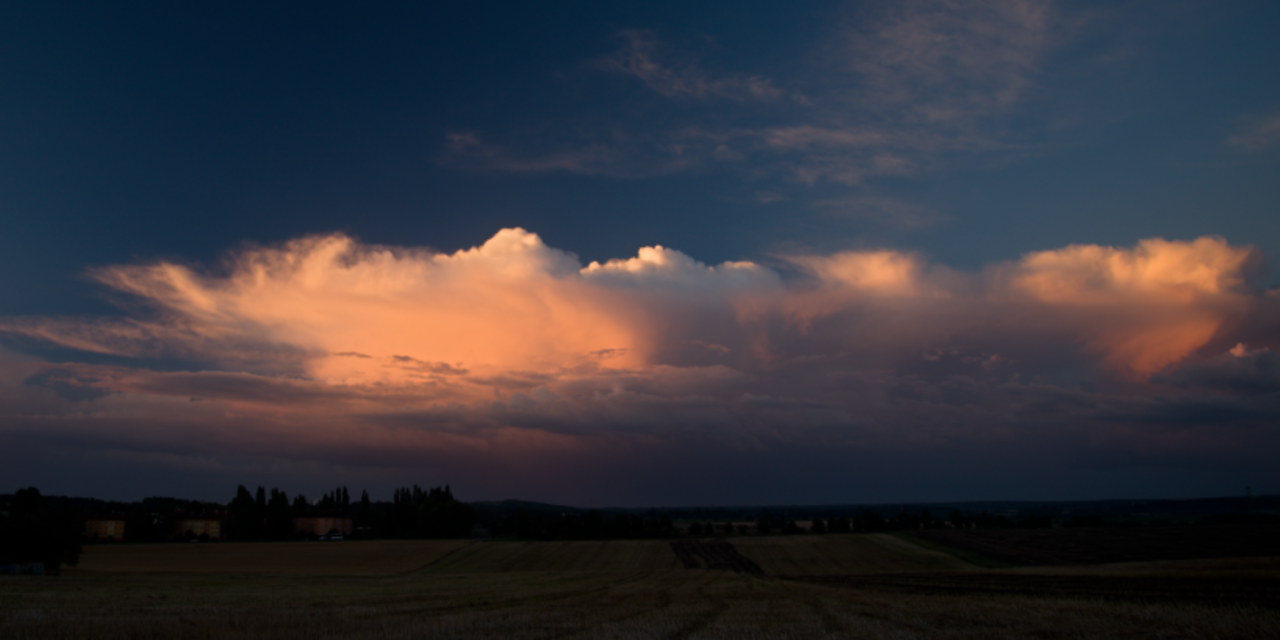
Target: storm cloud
(516, 358)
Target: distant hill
(501, 507)
(489, 510)
(1140, 509)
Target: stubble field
(1076, 546)
(864, 586)
(381, 557)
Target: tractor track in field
(714, 554)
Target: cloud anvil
(330, 350)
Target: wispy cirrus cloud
(946, 60)
(893, 89)
(639, 57)
(516, 351)
(619, 156)
(1260, 134)
(468, 149)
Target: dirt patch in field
(376, 557)
(713, 554)
(1082, 546)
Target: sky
(649, 254)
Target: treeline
(38, 530)
(35, 528)
(415, 513)
(412, 513)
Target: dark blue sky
(152, 130)
(923, 137)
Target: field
(843, 554)
(298, 558)
(1048, 547)
(872, 586)
(557, 557)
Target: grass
(812, 587)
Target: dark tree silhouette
(279, 516)
(37, 531)
(261, 498)
(242, 516)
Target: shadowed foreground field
(1043, 547)
(381, 557)
(865, 586)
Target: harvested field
(1236, 567)
(1082, 546)
(601, 604)
(887, 588)
(1216, 590)
(613, 556)
(842, 554)
(713, 554)
(381, 557)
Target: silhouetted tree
(593, 527)
(433, 513)
(242, 516)
(279, 516)
(261, 497)
(839, 524)
(870, 521)
(764, 523)
(666, 527)
(36, 531)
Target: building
(199, 525)
(323, 525)
(23, 568)
(104, 526)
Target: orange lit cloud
(1151, 305)
(1139, 309)
(325, 348)
(515, 314)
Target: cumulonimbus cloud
(347, 314)
(326, 343)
